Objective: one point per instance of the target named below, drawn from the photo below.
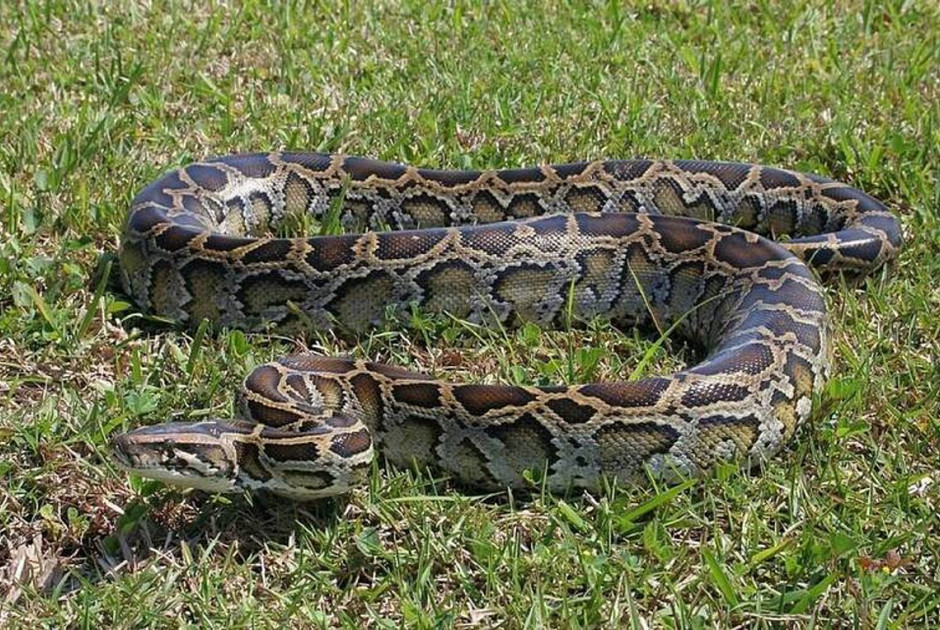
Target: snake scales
(588, 239)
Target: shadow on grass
(169, 526)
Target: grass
(98, 98)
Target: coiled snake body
(640, 242)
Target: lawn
(97, 99)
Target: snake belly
(647, 243)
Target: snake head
(194, 455)
(323, 457)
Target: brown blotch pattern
(331, 252)
(704, 393)
(627, 267)
(731, 175)
(684, 238)
(570, 411)
(264, 380)
(265, 414)
(369, 396)
(248, 455)
(407, 245)
(351, 444)
(256, 165)
(642, 393)
(426, 395)
(479, 399)
(175, 237)
(272, 249)
(296, 450)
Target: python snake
(645, 243)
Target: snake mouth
(125, 453)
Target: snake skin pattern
(643, 243)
